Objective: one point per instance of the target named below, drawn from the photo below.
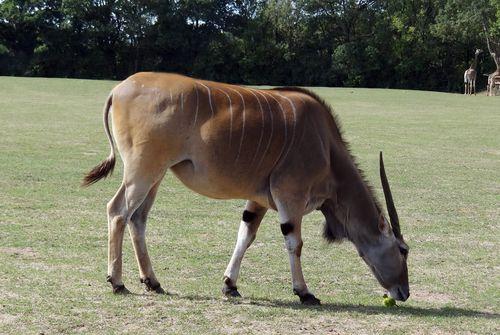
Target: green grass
(442, 155)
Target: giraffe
(470, 75)
(493, 79)
(493, 85)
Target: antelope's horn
(388, 200)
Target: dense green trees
(424, 44)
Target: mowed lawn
(442, 155)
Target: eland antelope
(278, 149)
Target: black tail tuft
(100, 171)
(106, 167)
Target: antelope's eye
(403, 251)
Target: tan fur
(278, 149)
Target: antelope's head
(478, 51)
(387, 254)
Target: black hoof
(120, 289)
(309, 299)
(231, 292)
(229, 289)
(160, 290)
(152, 287)
(117, 289)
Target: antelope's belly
(210, 181)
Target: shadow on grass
(362, 309)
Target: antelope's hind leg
(252, 217)
(137, 230)
(116, 226)
(128, 199)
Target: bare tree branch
(493, 53)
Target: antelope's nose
(404, 293)
(401, 293)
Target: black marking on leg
(151, 286)
(286, 228)
(229, 289)
(248, 216)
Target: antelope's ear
(384, 226)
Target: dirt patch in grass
(431, 297)
(491, 151)
(6, 319)
(26, 252)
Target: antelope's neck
(356, 199)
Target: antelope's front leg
(291, 230)
(252, 217)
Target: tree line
(414, 44)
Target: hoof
(152, 287)
(229, 289)
(120, 289)
(160, 290)
(117, 289)
(309, 299)
(231, 292)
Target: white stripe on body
(294, 110)
(242, 126)
(261, 128)
(171, 97)
(197, 103)
(182, 102)
(272, 130)
(209, 98)
(284, 123)
(231, 116)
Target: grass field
(442, 155)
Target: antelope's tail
(106, 167)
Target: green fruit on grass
(389, 301)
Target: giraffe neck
(474, 63)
